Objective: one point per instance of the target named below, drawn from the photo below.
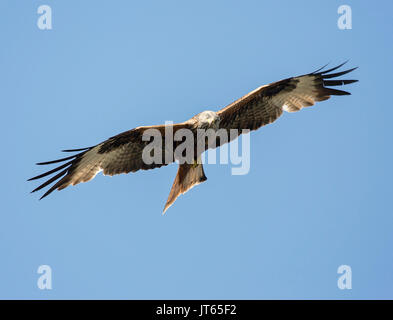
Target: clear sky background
(319, 191)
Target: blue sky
(319, 191)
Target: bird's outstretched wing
(267, 103)
(119, 154)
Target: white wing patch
(302, 96)
(89, 166)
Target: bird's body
(126, 152)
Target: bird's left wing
(119, 154)
(267, 103)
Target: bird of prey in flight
(123, 153)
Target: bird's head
(207, 119)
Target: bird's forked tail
(188, 175)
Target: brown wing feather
(119, 154)
(267, 103)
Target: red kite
(123, 152)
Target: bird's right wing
(119, 154)
(267, 103)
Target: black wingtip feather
(75, 150)
(314, 72)
(332, 69)
(59, 175)
(337, 74)
(335, 92)
(338, 82)
(55, 161)
(324, 75)
(48, 192)
(67, 158)
(65, 166)
(51, 171)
